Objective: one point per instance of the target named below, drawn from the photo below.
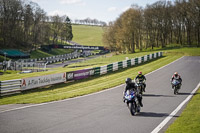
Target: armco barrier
(125, 63)
(10, 87)
(18, 85)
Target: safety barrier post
(120, 64)
(136, 61)
(97, 71)
(128, 63)
(110, 68)
(152, 56)
(142, 59)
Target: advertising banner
(34, 82)
(73, 47)
(80, 74)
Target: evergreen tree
(68, 27)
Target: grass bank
(53, 52)
(189, 120)
(87, 35)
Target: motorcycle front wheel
(132, 108)
(175, 90)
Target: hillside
(87, 35)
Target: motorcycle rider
(141, 78)
(131, 85)
(177, 77)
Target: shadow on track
(152, 114)
(182, 93)
(154, 95)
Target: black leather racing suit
(130, 86)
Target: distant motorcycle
(140, 86)
(176, 86)
(132, 102)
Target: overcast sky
(103, 10)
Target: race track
(104, 112)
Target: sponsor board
(80, 74)
(81, 47)
(34, 82)
(74, 47)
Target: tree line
(156, 25)
(89, 21)
(24, 25)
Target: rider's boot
(144, 87)
(140, 102)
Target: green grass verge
(39, 54)
(53, 52)
(189, 120)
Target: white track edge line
(166, 120)
(83, 95)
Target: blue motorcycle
(132, 102)
(176, 84)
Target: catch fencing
(18, 85)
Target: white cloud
(112, 9)
(71, 1)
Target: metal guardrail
(10, 86)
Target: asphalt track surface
(104, 112)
